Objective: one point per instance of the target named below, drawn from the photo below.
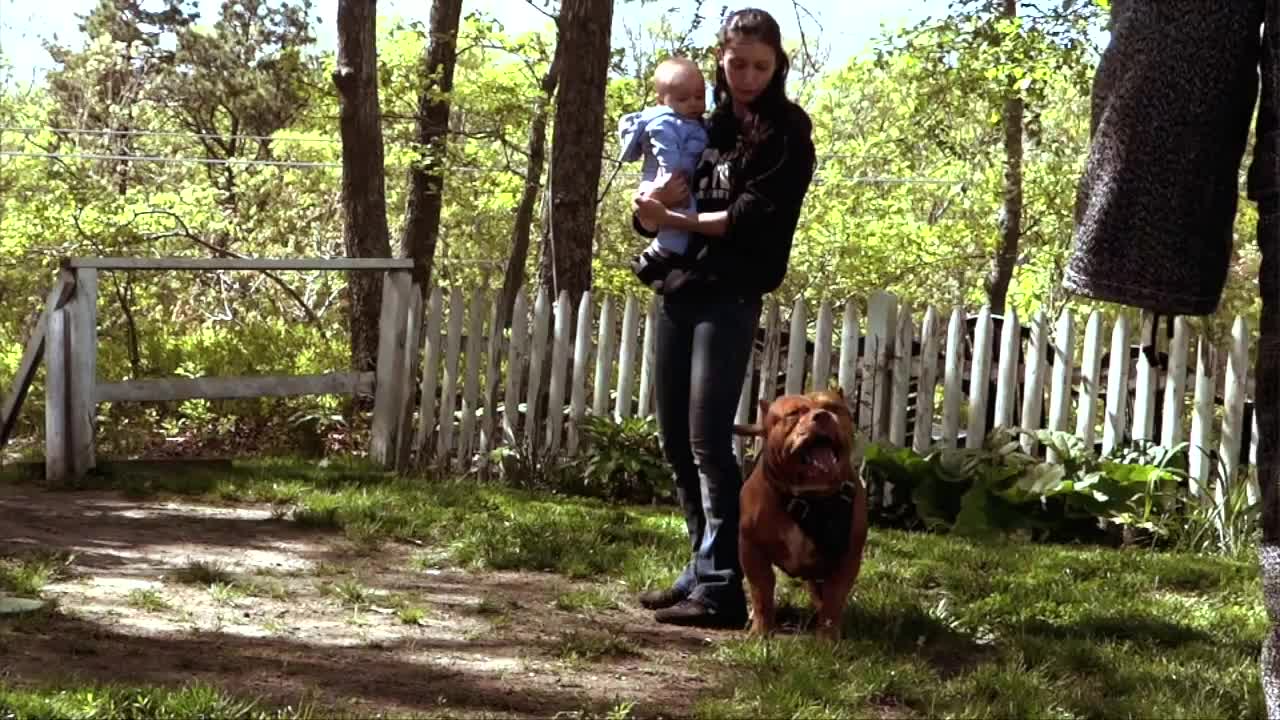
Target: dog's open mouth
(818, 454)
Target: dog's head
(809, 441)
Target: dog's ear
(839, 391)
(763, 419)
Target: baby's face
(686, 93)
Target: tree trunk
(1011, 231)
(578, 145)
(364, 201)
(513, 278)
(426, 186)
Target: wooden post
(388, 389)
(82, 316)
(57, 461)
(31, 358)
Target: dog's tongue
(823, 458)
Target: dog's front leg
(832, 594)
(759, 574)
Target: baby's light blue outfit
(667, 141)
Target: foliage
(623, 461)
(1002, 489)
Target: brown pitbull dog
(804, 508)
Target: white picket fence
(480, 389)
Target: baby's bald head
(680, 86)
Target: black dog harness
(825, 519)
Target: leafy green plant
(623, 461)
(1002, 489)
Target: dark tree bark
(1011, 230)
(578, 146)
(364, 201)
(426, 185)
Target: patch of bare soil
(309, 618)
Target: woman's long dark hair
(758, 25)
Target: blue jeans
(704, 344)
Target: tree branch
(185, 232)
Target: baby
(670, 138)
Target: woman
(748, 189)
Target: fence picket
(627, 357)
(449, 390)
(1144, 388)
(1117, 386)
(979, 381)
(604, 359)
(796, 348)
(1090, 373)
(952, 392)
(1233, 412)
(471, 388)
(1202, 419)
(1007, 370)
(1037, 365)
(431, 357)
(1064, 343)
(559, 367)
(848, 373)
(1175, 388)
(537, 369)
(515, 369)
(768, 388)
(649, 358)
(882, 322)
(905, 337)
(581, 358)
(922, 438)
(821, 378)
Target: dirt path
(304, 616)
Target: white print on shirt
(713, 185)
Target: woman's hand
(649, 210)
(670, 190)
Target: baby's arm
(667, 145)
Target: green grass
(938, 627)
(942, 627)
(140, 703)
(148, 599)
(586, 600)
(26, 575)
(203, 573)
(578, 646)
(477, 525)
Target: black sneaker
(659, 599)
(650, 266)
(694, 613)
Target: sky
(844, 27)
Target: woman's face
(748, 67)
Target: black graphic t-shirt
(763, 194)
